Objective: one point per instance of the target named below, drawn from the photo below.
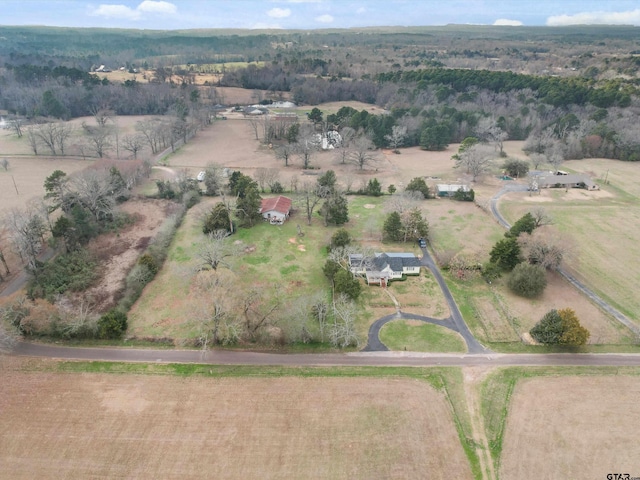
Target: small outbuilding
(276, 210)
(449, 190)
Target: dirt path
(473, 377)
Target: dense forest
(570, 91)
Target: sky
(311, 14)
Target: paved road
(473, 345)
(20, 280)
(615, 313)
(410, 359)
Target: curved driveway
(619, 316)
(454, 322)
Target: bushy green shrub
(112, 324)
(560, 327)
(527, 280)
(73, 271)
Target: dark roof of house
(278, 204)
(395, 260)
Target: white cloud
(128, 13)
(631, 17)
(150, 6)
(506, 21)
(361, 10)
(279, 12)
(116, 11)
(326, 18)
(304, 1)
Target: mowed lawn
(274, 256)
(603, 228)
(416, 336)
(97, 425)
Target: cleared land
(143, 426)
(603, 228)
(572, 427)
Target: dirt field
(572, 427)
(138, 426)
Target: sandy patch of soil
(132, 426)
(369, 205)
(572, 427)
(118, 252)
(302, 248)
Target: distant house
(275, 210)
(562, 180)
(384, 267)
(449, 190)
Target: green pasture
(425, 337)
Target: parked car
(200, 176)
(422, 242)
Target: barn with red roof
(275, 210)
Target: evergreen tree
(392, 229)
(217, 219)
(335, 210)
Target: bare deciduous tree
(477, 160)
(541, 217)
(404, 201)
(397, 137)
(258, 307)
(133, 144)
(96, 192)
(153, 132)
(26, 228)
(102, 115)
(9, 336)
(312, 195)
(488, 131)
(54, 135)
(16, 125)
(307, 145)
(362, 152)
(285, 152)
(215, 320)
(342, 332)
(266, 177)
(215, 250)
(543, 247)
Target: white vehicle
(200, 176)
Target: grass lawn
(416, 336)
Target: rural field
(572, 427)
(90, 425)
(495, 315)
(602, 228)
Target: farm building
(449, 190)
(276, 210)
(564, 180)
(384, 267)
